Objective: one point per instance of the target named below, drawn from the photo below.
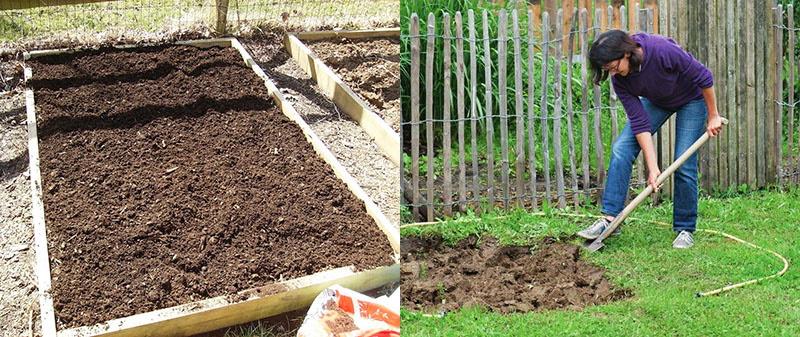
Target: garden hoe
(598, 243)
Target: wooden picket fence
(736, 39)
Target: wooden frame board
(337, 90)
(218, 312)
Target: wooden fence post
(598, 137)
(447, 195)
(415, 62)
(519, 161)
(462, 185)
(543, 104)
(429, 108)
(502, 73)
(557, 115)
(584, 101)
(532, 20)
(570, 112)
(222, 16)
(473, 89)
(487, 69)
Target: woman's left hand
(714, 125)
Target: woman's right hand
(652, 178)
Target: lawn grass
(663, 280)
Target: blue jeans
(690, 125)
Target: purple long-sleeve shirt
(669, 77)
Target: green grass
(663, 280)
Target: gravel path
(17, 281)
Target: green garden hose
(699, 294)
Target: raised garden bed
(358, 70)
(174, 180)
(550, 275)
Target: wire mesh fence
(32, 23)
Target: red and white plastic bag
(341, 312)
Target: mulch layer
(170, 176)
(550, 275)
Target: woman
(654, 78)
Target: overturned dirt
(371, 67)
(505, 279)
(170, 176)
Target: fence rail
(555, 127)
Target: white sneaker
(683, 240)
(598, 227)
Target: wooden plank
(711, 62)
(487, 69)
(617, 17)
(429, 57)
(603, 17)
(790, 82)
(543, 105)
(519, 161)
(557, 113)
(549, 7)
(750, 102)
(778, 80)
(733, 111)
(598, 137)
(761, 40)
(47, 313)
(462, 174)
(566, 6)
(589, 9)
(536, 14)
(652, 5)
(473, 108)
(612, 98)
(570, 112)
(350, 34)
(584, 102)
(222, 16)
(741, 95)
(633, 12)
(345, 98)
(25, 4)
(636, 22)
(502, 36)
(722, 150)
(447, 169)
(217, 312)
(531, 121)
(662, 138)
(212, 314)
(415, 62)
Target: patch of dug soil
(170, 176)
(371, 67)
(504, 279)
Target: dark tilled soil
(505, 279)
(371, 67)
(170, 176)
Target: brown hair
(609, 46)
